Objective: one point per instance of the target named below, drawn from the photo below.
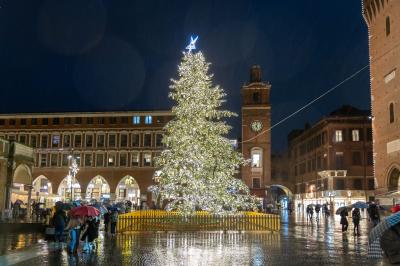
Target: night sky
(91, 55)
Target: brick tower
(383, 20)
(256, 138)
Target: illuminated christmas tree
(199, 164)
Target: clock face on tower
(256, 126)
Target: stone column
(29, 207)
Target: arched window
(391, 113)
(387, 26)
(256, 158)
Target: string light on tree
(199, 164)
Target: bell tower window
(256, 158)
(256, 97)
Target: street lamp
(72, 172)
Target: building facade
(332, 160)
(383, 20)
(114, 152)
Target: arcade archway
(42, 191)
(281, 195)
(69, 189)
(22, 180)
(394, 180)
(128, 189)
(98, 189)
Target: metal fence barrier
(159, 220)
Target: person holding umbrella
(356, 215)
(343, 219)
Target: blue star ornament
(192, 44)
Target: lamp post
(72, 172)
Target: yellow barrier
(159, 220)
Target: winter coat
(390, 243)
(92, 231)
(59, 219)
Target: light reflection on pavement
(299, 243)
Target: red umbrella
(395, 208)
(84, 211)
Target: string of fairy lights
(356, 73)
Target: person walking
(113, 220)
(343, 220)
(59, 221)
(356, 216)
(74, 227)
(317, 210)
(310, 211)
(373, 213)
(106, 218)
(90, 234)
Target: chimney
(255, 74)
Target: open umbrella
(395, 208)
(340, 209)
(100, 207)
(384, 225)
(360, 205)
(84, 211)
(311, 205)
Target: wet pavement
(299, 243)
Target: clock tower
(256, 136)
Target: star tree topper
(192, 44)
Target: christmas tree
(199, 164)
